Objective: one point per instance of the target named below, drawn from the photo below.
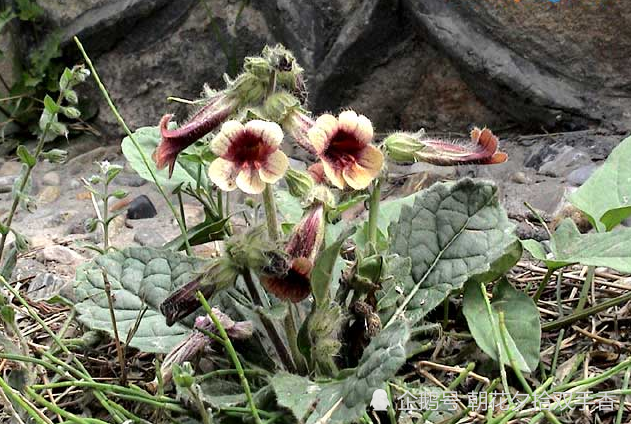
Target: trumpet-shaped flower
(482, 149)
(248, 156)
(302, 248)
(343, 144)
(206, 120)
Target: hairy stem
(373, 213)
(271, 215)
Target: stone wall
(438, 64)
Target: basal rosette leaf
(452, 233)
(606, 196)
(568, 246)
(138, 277)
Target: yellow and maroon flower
(343, 144)
(302, 248)
(482, 149)
(176, 140)
(249, 156)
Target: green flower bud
(55, 155)
(299, 183)
(403, 147)
(183, 375)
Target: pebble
(60, 218)
(49, 194)
(141, 208)
(6, 183)
(51, 179)
(130, 180)
(148, 237)
(10, 168)
(580, 175)
(519, 178)
(60, 254)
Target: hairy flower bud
(302, 248)
(482, 149)
(299, 183)
(286, 109)
(188, 348)
(219, 275)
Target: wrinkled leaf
(139, 277)
(569, 246)
(296, 393)
(148, 138)
(322, 272)
(606, 196)
(289, 207)
(453, 232)
(381, 360)
(522, 323)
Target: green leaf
(296, 393)
(606, 196)
(25, 156)
(348, 398)
(569, 246)
(50, 105)
(322, 272)
(29, 10)
(522, 323)
(148, 138)
(389, 212)
(199, 234)
(288, 206)
(453, 232)
(139, 277)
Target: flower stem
(270, 213)
(233, 356)
(144, 158)
(373, 213)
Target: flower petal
(274, 168)
(334, 175)
(348, 121)
(368, 165)
(318, 139)
(222, 173)
(250, 182)
(364, 131)
(328, 123)
(270, 132)
(222, 141)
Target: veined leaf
(520, 315)
(452, 233)
(568, 246)
(139, 277)
(148, 138)
(606, 196)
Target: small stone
(46, 286)
(60, 254)
(130, 180)
(10, 168)
(148, 237)
(6, 183)
(519, 178)
(558, 160)
(141, 208)
(51, 179)
(78, 224)
(49, 194)
(580, 175)
(75, 184)
(194, 214)
(60, 218)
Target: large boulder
(406, 64)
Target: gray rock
(130, 180)
(10, 168)
(519, 177)
(60, 254)
(6, 183)
(51, 178)
(565, 161)
(49, 194)
(60, 218)
(148, 237)
(141, 208)
(580, 175)
(46, 286)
